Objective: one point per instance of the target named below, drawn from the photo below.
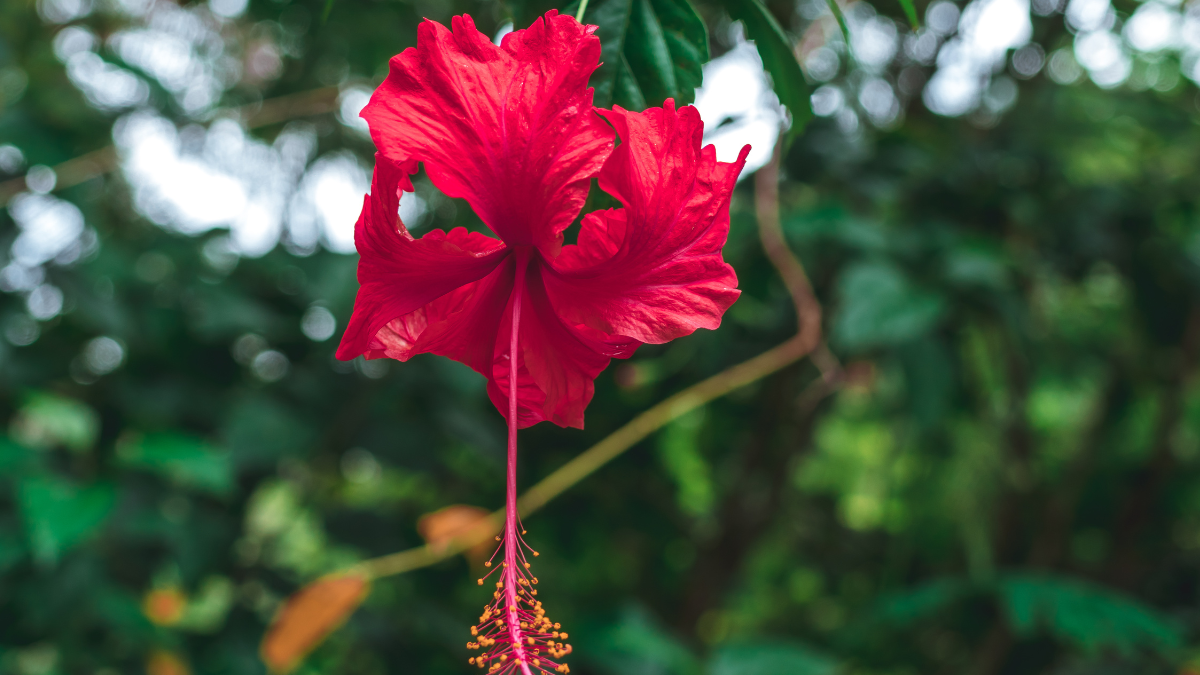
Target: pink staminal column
(514, 632)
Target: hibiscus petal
(653, 271)
(461, 325)
(399, 274)
(509, 128)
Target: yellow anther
(481, 582)
(563, 635)
(557, 626)
(535, 554)
(526, 565)
(471, 660)
(503, 658)
(530, 641)
(497, 537)
(488, 563)
(524, 532)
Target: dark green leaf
(185, 460)
(902, 607)
(612, 19)
(14, 458)
(779, 59)
(59, 514)
(651, 50)
(1087, 616)
(910, 11)
(627, 90)
(770, 658)
(636, 643)
(879, 306)
(12, 549)
(929, 371)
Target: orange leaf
(442, 526)
(309, 616)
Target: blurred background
(1000, 213)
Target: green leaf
(1085, 615)
(651, 50)
(680, 448)
(15, 459)
(841, 20)
(611, 17)
(910, 11)
(902, 607)
(207, 609)
(627, 90)
(121, 610)
(637, 644)
(259, 430)
(770, 658)
(880, 306)
(47, 421)
(779, 59)
(185, 460)
(59, 515)
(12, 549)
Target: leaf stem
(582, 8)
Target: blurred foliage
(1007, 481)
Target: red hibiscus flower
(512, 130)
